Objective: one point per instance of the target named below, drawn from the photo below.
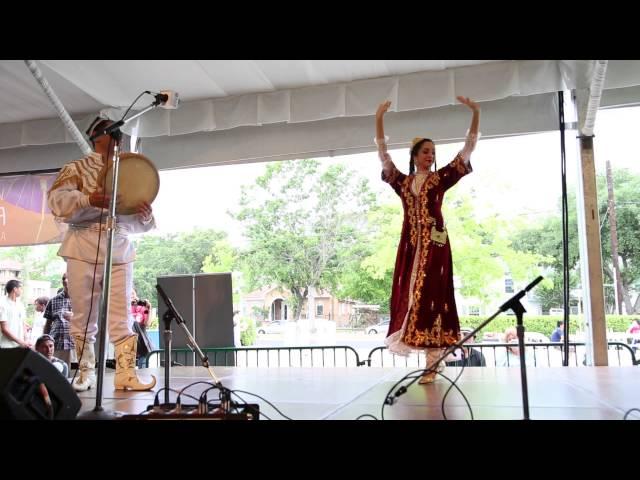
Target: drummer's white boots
(126, 378)
(86, 364)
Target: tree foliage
(304, 225)
(545, 238)
(175, 254)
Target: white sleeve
(67, 201)
(469, 145)
(134, 224)
(382, 150)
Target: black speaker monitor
(31, 388)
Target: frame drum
(138, 181)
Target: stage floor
(578, 393)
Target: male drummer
(77, 199)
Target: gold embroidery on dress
(434, 337)
(459, 164)
(409, 200)
(420, 274)
(393, 176)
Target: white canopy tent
(236, 111)
(256, 110)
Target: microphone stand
(98, 412)
(173, 314)
(514, 304)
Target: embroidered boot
(86, 364)
(126, 378)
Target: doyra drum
(138, 181)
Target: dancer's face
(425, 156)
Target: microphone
(106, 131)
(167, 99)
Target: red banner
(25, 218)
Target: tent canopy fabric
(256, 110)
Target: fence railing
(308, 356)
(545, 354)
(542, 354)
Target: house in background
(12, 269)
(505, 288)
(36, 288)
(271, 304)
(9, 270)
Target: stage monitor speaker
(31, 388)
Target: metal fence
(311, 356)
(544, 354)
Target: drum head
(138, 181)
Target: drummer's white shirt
(85, 225)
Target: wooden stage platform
(563, 393)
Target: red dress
(423, 307)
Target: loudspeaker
(31, 388)
(205, 302)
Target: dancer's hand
(382, 108)
(469, 103)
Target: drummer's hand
(101, 200)
(145, 211)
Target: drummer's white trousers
(85, 293)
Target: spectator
(12, 317)
(634, 331)
(58, 314)
(37, 328)
(512, 357)
(558, 333)
(45, 346)
(472, 356)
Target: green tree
(482, 248)
(370, 274)
(303, 224)
(545, 238)
(223, 258)
(172, 254)
(248, 334)
(39, 262)
(626, 186)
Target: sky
(517, 175)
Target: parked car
(277, 326)
(381, 327)
(492, 337)
(535, 337)
(529, 337)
